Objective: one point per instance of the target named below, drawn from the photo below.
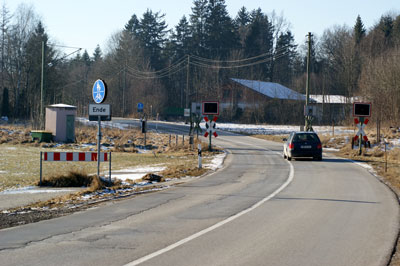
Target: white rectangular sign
(186, 112)
(99, 110)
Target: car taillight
(291, 146)
(319, 146)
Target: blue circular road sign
(140, 107)
(99, 91)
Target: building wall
(56, 122)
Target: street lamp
(41, 90)
(42, 81)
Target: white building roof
(271, 89)
(340, 99)
(61, 105)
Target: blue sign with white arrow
(99, 91)
(140, 107)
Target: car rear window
(305, 137)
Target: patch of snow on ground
(216, 162)
(33, 190)
(104, 124)
(135, 173)
(277, 129)
(330, 149)
(364, 165)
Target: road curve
(326, 213)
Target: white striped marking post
(74, 157)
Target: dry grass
(72, 179)
(20, 156)
(75, 179)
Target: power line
(158, 72)
(199, 64)
(240, 60)
(198, 61)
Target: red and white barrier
(74, 156)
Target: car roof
(304, 132)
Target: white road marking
(215, 226)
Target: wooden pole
(307, 124)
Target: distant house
(333, 107)
(271, 90)
(267, 101)
(278, 103)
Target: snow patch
(33, 190)
(135, 173)
(216, 162)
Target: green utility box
(41, 135)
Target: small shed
(60, 121)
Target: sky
(88, 23)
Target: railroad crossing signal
(210, 126)
(360, 133)
(360, 136)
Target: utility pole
(123, 91)
(308, 118)
(187, 81)
(187, 100)
(41, 91)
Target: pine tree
(221, 35)
(242, 18)
(197, 24)
(180, 39)
(285, 54)
(133, 25)
(34, 66)
(386, 26)
(97, 55)
(86, 58)
(152, 36)
(259, 40)
(359, 30)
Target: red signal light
(319, 146)
(291, 146)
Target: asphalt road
(258, 210)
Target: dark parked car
(302, 144)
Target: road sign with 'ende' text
(99, 110)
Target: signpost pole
(98, 144)
(99, 93)
(209, 143)
(360, 137)
(199, 154)
(41, 156)
(109, 168)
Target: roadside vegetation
(20, 156)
